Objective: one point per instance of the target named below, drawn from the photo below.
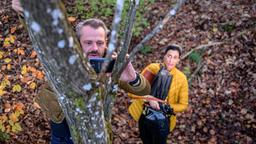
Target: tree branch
(115, 28)
(126, 37)
(196, 71)
(156, 30)
(201, 47)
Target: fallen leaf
(13, 29)
(16, 88)
(32, 69)
(3, 118)
(40, 75)
(7, 60)
(9, 66)
(20, 51)
(5, 83)
(32, 85)
(6, 42)
(12, 38)
(36, 105)
(33, 54)
(7, 107)
(2, 92)
(8, 129)
(215, 29)
(24, 70)
(16, 127)
(1, 54)
(24, 79)
(13, 117)
(19, 106)
(3, 67)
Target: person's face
(93, 41)
(171, 59)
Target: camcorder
(97, 64)
(166, 109)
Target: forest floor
(222, 92)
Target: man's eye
(88, 43)
(100, 43)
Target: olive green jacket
(48, 102)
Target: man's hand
(17, 6)
(129, 73)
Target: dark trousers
(61, 140)
(60, 133)
(153, 132)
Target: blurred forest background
(219, 54)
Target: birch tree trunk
(67, 70)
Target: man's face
(171, 59)
(93, 41)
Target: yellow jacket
(177, 95)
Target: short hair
(173, 47)
(93, 22)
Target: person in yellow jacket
(176, 99)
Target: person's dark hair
(94, 23)
(173, 47)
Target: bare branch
(201, 47)
(156, 30)
(113, 37)
(126, 37)
(195, 72)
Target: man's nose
(94, 47)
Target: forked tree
(85, 97)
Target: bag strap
(161, 83)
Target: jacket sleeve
(143, 88)
(48, 102)
(182, 102)
(146, 76)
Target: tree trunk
(73, 79)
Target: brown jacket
(48, 102)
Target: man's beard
(96, 53)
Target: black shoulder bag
(159, 89)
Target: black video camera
(166, 109)
(97, 64)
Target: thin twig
(196, 71)
(201, 47)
